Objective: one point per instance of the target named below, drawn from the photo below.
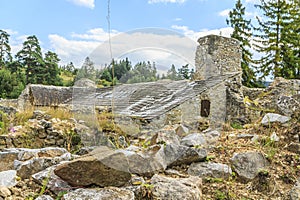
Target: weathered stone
(294, 193)
(288, 104)
(294, 147)
(209, 169)
(4, 192)
(178, 155)
(164, 136)
(85, 82)
(7, 160)
(182, 131)
(247, 165)
(274, 137)
(112, 169)
(176, 188)
(34, 165)
(44, 197)
(54, 183)
(245, 136)
(195, 139)
(101, 193)
(8, 178)
(273, 117)
(146, 162)
(204, 139)
(8, 110)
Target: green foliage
(278, 38)
(236, 125)
(5, 55)
(242, 32)
(220, 195)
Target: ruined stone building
(214, 94)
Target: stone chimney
(217, 56)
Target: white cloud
(97, 34)
(86, 3)
(224, 13)
(71, 50)
(196, 35)
(166, 1)
(164, 47)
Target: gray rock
(112, 169)
(195, 139)
(85, 82)
(245, 136)
(44, 197)
(209, 169)
(8, 178)
(247, 165)
(165, 137)
(146, 162)
(182, 131)
(179, 154)
(54, 183)
(288, 104)
(101, 193)
(204, 139)
(274, 137)
(176, 188)
(7, 160)
(294, 193)
(34, 165)
(273, 117)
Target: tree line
(274, 36)
(123, 71)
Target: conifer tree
(242, 32)
(5, 55)
(270, 40)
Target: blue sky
(74, 28)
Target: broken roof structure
(217, 63)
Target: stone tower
(217, 56)
(218, 59)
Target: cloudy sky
(75, 29)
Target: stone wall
(217, 55)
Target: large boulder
(209, 169)
(176, 188)
(248, 164)
(100, 193)
(204, 139)
(179, 154)
(146, 162)
(54, 183)
(103, 167)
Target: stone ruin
(216, 94)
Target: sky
(162, 31)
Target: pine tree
(242, 32)
(269, 40)
(291, 44)
(5, 55)
(51, 65)
(31, 58)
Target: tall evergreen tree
(269, 40)
(5, 54)
(51, 65)
(242, 32)
(290, 48)
(30, 56)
